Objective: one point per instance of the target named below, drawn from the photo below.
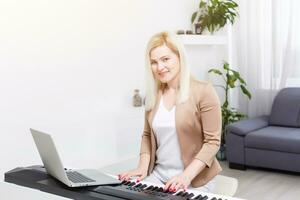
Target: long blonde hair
(153, 85)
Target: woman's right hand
(139, 173)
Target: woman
(182, 122)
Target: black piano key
(190, 195)
(131, 184)
(144, 186)
(127, 182)
(220, 199)
(198, 197)
(184, 194)
(138, 185)
(155, 188)
(160, 189)
(150, 187)
(179, 193)
(214, 198)
(204, 198)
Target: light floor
(254, 184)
(259, 184)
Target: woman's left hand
(180, 181)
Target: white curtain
(266, 50)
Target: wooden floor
(260, 184)
(254, 184)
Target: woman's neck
(174, 83)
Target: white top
(168, 156)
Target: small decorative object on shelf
(137, 99)
(197, 28)
(180, 32)
(188, 32)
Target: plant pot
(221, 155)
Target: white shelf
(204, 39)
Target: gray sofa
(268, 141)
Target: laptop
(54, 166)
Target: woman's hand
(140, 173)
(180, 181)
(183, 180)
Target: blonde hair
(153, 85)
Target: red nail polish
(138, 180)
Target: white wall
(69, 68)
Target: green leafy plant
(214, 14)
(232, 79)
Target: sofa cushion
(286, 108)
(243, 127)
(275, 138)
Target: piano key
(131, 184)
(138, 185)
(198, 197)
(155, 188)
(150, 187)
(144, 186)
(184, 194)
(190, 195)
(127, 182)
(179, 193)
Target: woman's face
(165, 64)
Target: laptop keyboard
(76, 177)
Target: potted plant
(213, 15)
(232, 79)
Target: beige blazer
(198, 125)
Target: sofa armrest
(245, 126)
